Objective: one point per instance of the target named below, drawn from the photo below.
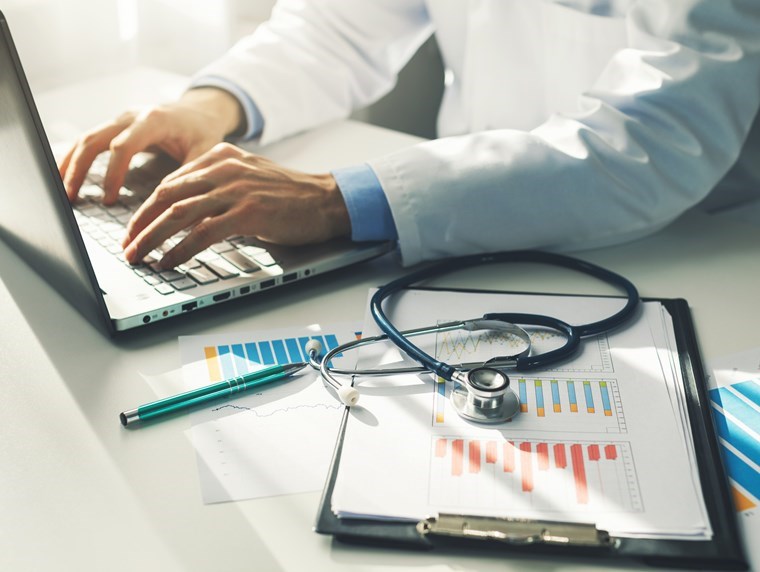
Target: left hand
(228, 191)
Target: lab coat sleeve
(317, 60)
(661, 125)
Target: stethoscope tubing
(573, 333)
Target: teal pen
(208, 393)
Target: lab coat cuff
(368, 208)
(254, 120)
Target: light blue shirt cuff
(368, 208)
(253, 118)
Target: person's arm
(316, 61)
(663, 123)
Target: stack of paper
(602, 438)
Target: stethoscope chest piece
(483, 395)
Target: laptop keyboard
(107, 226)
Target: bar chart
(553, 404)
(527, 474)
(736, 411)
(230, 360)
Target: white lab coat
(565, 124)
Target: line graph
(457, 346)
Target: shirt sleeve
(368, 208)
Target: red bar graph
(560, 460)
(474, 448)
(534, 473)
(527, 467)
(457, 449)
(491, 455)
(579, 474)
(509, 457)
(542, 450)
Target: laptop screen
(36, 220)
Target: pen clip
(516, 531)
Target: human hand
(184, 129)
(228, 191)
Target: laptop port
(289, 277)
(267, 283)
(245, 290)
(222, 296)
(189, 306)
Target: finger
(136, 138)
(205, 159)
(181, 215)
(207, 232)
(83, 154)
(162, 199)
(64, 164)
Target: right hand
(184, 129)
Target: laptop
(77, 249)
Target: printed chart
(462, 346)
(736, 410)
(533, 474)
(230, 360)
(553, 404)
(276, 439)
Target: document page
(602, 438)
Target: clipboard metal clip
(516, 531)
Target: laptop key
(183, 284)
(171, 275)
(220, 269)
(242, 262)
(164, 289)
(202, 275)
(151, 279)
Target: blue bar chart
(736, 411)
(232, 360)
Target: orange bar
(574, 407)
(542, 450)
(540, 412)
(579, 473)
(212, 364)
(560, 460)
(523, 408)
(610, 452)
(741, 502)
(608, 412)
(557, 408)
(457, 448)
(509, 457)
(491, 452)
(440, 448)
(526, 467)
(474, 448)
(593, 453)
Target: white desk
(79, 492)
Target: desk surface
(78, 492)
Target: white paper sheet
(272, 441)
(601, 438)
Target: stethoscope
(482, 391)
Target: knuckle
(224, 149)
(177, 212)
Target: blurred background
(67, 41)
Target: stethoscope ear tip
(348, 395)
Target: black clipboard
(723, 552)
